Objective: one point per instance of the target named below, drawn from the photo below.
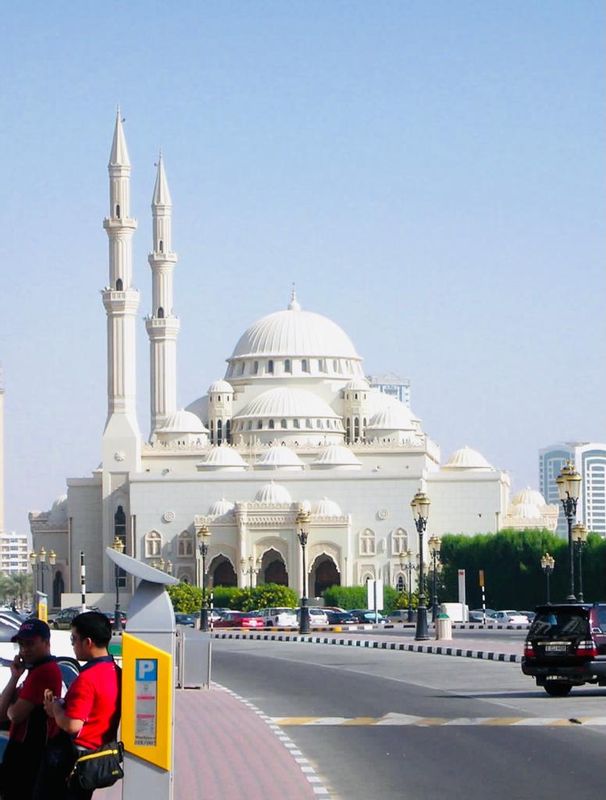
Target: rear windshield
(559, 623)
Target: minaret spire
(121, 301)
(162, 325)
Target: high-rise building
(14, 553)
(589, 459)
(393, 385)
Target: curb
(304, 765)
(373, 644)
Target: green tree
(185, 598)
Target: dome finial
(293, 305)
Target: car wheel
(557, 688)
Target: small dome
(221, 386)
(295, 333)
(183, 422)
(326, 508)
(287, 403)
(357, 385)
(279, 458)
(57, 517)
(394, 417)
(221, 508)
(466, 458)
(273, 494)
(336, 455)
(528, 496)
(223, 457)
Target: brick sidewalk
(224, 750)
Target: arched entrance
(323, 574)
(58, 589)
(221, 572)
(273, 569)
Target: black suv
(566, 647)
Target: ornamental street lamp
(203, 537)
(118, 546)
(579, 535)
(569, 487)
(250, 569)
(547, 565)
(434, 545)
(302, 521)
(420, 508)
(39, 562)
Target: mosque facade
(293, 424)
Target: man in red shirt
(23, 707)
(89, 715)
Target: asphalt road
(446, 723)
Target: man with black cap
(23, 707)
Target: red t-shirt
(43, 676)
(94, 697)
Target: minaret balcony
(123, 302)
(162, 327)
(157, 258)
(114, 225)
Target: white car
(510, 617)
(280, 617)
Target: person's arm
(54, 708)
(8, 699)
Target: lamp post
(409, 569)
(434, 545)
(39, 562)
(203, 537)
(579, 535)
(250, 569)
(420, 508)
(302, 521)
(118, 546)
(569, 487)
(547, 565)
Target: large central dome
(295, 333)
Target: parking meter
(148, 684)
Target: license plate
(555, 648)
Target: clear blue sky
(430, 174)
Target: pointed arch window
(348, 430)
(283, 424)
(161, 246)
(219, 431)
(117, 211)
(120, 533)
(356, 428)
(228, 431)
(119, 285)
(287, 365)
(211, 426)
(296, 423)
(153, 544)
(271, 425)
(185, 545)
(367, 543)
(305, 365)
(160, 312)
(259, 424)
(270, 367)
(399, 541)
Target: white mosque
(292, 424)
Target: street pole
(302, 522)
(579, 534)
(569, 486)
(203, 536)
(420, 507)
(118, 546)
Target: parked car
(188, 620)
(510, 617)
(367, 616)
(398, 615)
(528, 614)
(566, 647)
(63, 619)
(479, 615)
(111, 614)
(279, 617)
(317, 616)
(240, 619)
(340, 617)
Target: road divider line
(406, 720)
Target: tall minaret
(121, 438)
(162, 326)
(1, 451)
